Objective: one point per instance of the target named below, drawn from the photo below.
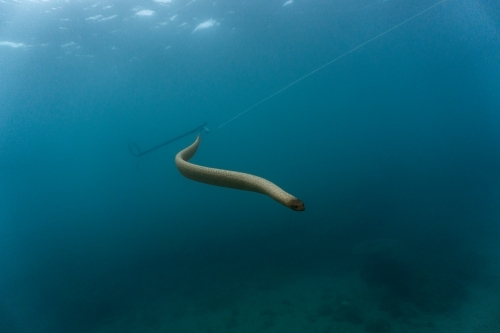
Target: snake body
(232, 179)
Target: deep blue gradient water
(394, 148)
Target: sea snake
(232, 179)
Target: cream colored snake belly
(232, 179)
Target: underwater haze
(383, 116)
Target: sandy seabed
(319, 304)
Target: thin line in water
(331, 62)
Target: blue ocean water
(394, 148)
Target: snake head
(296, 205)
